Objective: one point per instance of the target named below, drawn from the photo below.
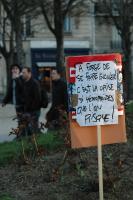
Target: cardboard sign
(96, 83)
(95, 98)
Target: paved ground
(7, 114)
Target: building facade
(83, 35)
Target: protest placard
(96, 98)
(96, 83)
(96, 103)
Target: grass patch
(10, 151)
(129, 107)
(50, 141)
(5, 197)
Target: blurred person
(14, 92)
(32, 100)
(59, 100)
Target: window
(68, 24)
(26, 26)
(116, 39)
(115, 6)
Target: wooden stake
(100, 166)
(23, 150)
(36, 146)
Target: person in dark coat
(32, 99)
(59, 100)
(14, 92)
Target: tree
(7, 49)
(120, 11)
(11, 24)
(54, 12)
(14, 10)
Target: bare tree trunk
(19, 43)
(9, 59)
(59, 33)
(60, 51)
(127, 72)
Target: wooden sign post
(100, 166)
(95, 103)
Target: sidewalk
(7, 114)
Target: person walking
(59, 100)
(14, 92)
(32, 100)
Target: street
(7, 122)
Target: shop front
(43, 59)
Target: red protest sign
(95, 91)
